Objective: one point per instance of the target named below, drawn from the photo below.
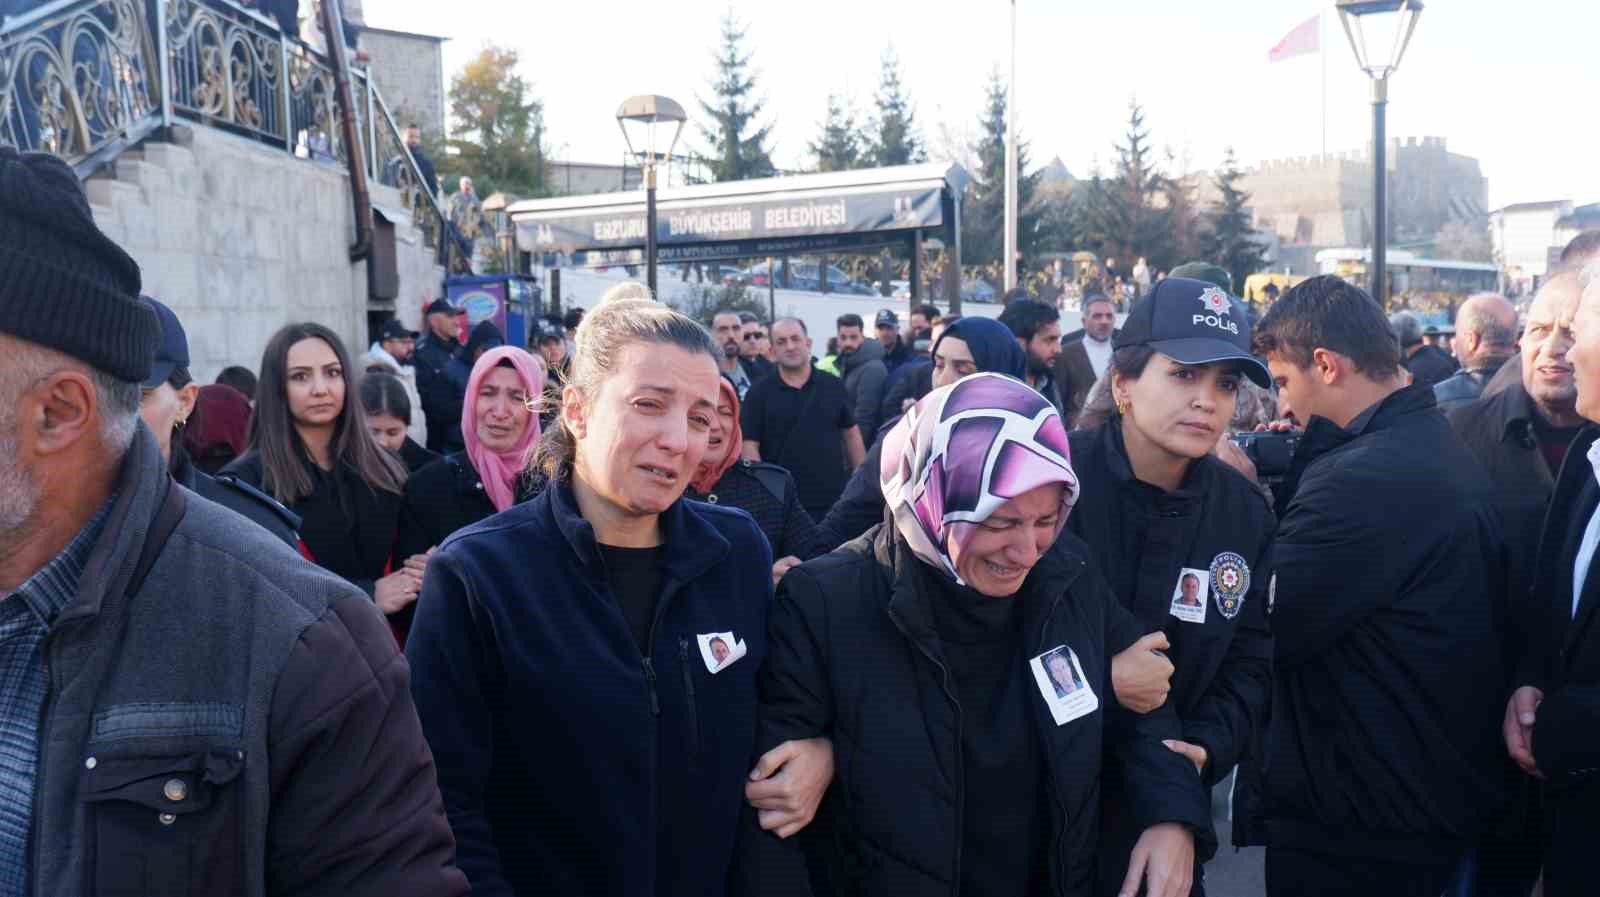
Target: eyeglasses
(752, 337)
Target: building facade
(409, 69)
(1320, 202)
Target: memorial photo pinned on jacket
(719, 649)
(1062, 685)
(1189, 595)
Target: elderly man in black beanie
(187, 707)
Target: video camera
(1270, 452)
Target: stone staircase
(240, 238)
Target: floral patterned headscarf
(965, 450)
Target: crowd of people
(653, 608)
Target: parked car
(803, 275)
(978, 290)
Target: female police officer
(1168, 523)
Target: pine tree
(838, 148)
(1229, 240)
(983, 214)
(737, 147)
(894, 139)
(1129, 214)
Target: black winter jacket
(1430, 366)
(1499, 432)
(912, 380)
(768, 493)
(860, 506)
(346, 526)
(442, 391)
(1565, 665)
(241, 498)
(1389, 681)
(571, 765)
(440, 499)
(855, 656)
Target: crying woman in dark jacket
(591, 739)
(937, 651)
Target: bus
(1414, 282)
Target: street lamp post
(1009, 278)
(646, 114)
(1379, 31)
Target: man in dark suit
(1083, 361)
(1551, 720)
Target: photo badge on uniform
(1230, 580)
(1189, 595)
(719, 650)
(1062, 684)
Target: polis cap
(1193, 322)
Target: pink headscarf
(499, 470)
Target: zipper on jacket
(1052, 775)
(960, 769)
(688, 689)
(650, 677)
(668, 590)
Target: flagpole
(1322, 54)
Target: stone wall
(1328, 201)
(409, 69)
(240, 238)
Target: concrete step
(169, 156)
(105, 191)
(151, 177)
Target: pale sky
(1510, 84)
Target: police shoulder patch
(1230, 580)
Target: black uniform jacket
(1143, 538)
(854, 654)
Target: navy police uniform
(1189, 562)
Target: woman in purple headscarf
(958, 655)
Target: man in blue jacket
(1382, 761)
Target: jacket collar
(694, 545)
(141, 486)
(1323, 434)
(1121, 469)
(1513, 411)
(908, 601)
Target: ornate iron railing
(76, 77)
(86, 79)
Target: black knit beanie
(63, 284)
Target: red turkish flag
(1305, 38)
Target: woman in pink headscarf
(500, 423)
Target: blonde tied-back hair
(625, 316)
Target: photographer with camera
(1381, 764)
(1180, 535)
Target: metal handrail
(446, 244)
